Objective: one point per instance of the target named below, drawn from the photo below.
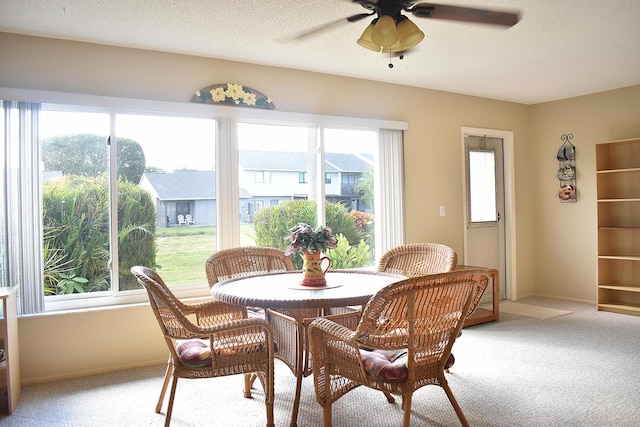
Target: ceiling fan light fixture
(396, 47)
(365, 39)
(409, 35)
(384, 31)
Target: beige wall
(565, 244)
(88, 342)
(433, 174)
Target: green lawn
(182, 251)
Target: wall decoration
(233, 94)
(567, 170)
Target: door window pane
(482, 187)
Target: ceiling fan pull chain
(390, 64)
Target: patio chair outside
(221, 342)
(189, 219)
(417, 319)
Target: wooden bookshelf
(618, 198)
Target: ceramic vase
(313, 270)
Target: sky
(171, 143)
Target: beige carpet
(528, 310)
(518, 372)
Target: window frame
(222, 114)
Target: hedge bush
(272, 223)
(76, 233)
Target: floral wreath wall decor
(233, 94)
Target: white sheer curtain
(21, 210)
(389, 179)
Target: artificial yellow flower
(218, 94)
(250, 98)
(234, 91)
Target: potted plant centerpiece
(311, 243)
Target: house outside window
(348, 183)
(263, 177)
(349, 178)
(302, 177)
(327, 178)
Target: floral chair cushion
(195, 353)
(385, 365)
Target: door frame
(509, 216)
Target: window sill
(106, 300)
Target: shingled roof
(344, 162)
(184, 185)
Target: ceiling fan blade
(359, 16)
(465, 14)
(324, 27)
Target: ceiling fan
(392, 32)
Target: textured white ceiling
(559, 49)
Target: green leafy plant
(346, 256)
(364, 224)
(76, 223)
(272, 224)
(306, 239)
(70, 283)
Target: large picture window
(120, 188)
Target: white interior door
(485, 206)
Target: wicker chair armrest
(334, 345)
(211, 312)
(239, 325)
(334, 330)
(348, 319)
(479, 291)
(322, 332)
(280, 315)
(232, 327)
(210, 305)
